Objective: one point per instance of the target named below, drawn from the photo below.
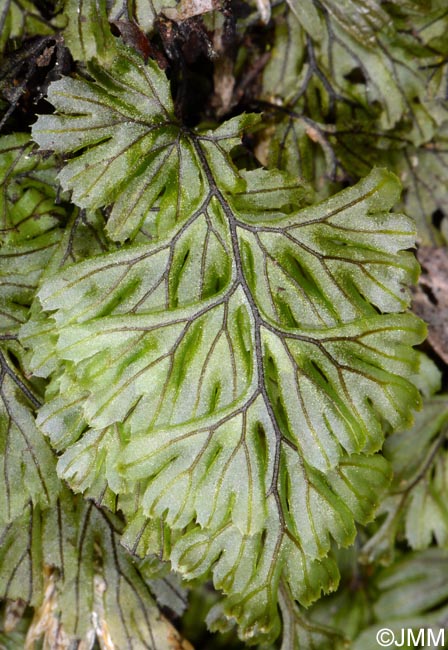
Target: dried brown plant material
(431, 296)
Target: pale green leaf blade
(416, 506)
(28, 190)
(301, 633)
(362, 19)
(68, 563)
(424, 171)
(407, 449)
(113, 602)
(408, 598)
(222, 379)
(30, 215)
(82, 236)
(338, 617)
(307, 14)
(126, 120)
(21, 575)
(134, 153)
(145, 278)
(340, 137)
(228, 329)
(250, 571)
(286, 69)
(88, 33)
(374, 65)
(168, 590)
(412, 586)
(27, 464)
(287, 547)
(426, 518)
(342, 257)
(19, 282)
(183, 388)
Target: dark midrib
(258, 321)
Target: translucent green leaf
(413, 585)
(374, 71)
(68, 563)
(424, 172)
(249, 338)
(299, 633)
(340, 137)
(285, 68)
(144, 537)
(220, 381)
(252, 566)
(319, 152)
(135, 153)
(27, 465)
(407, 450)
(308, 16)
(168, 590)
(88, 33)
(427, 513)
(21, 575)
(187, 382)
(416, 506)
(82, 236)
(27, 190)
(29, 215)
(237, 559)
(411, 595)
(363, 19)
(20, 282)
(341, 616)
